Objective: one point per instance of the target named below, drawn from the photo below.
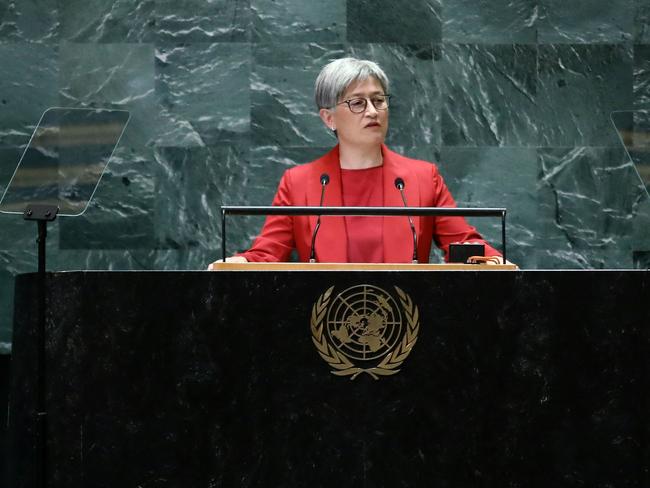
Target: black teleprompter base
(5, 360)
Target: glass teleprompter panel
(65, 159)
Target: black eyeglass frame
(387, 98)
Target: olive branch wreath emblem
(341, 364)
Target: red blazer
(300, 185)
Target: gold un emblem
(364, 329)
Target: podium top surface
(361, 267)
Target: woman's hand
(498, 260)
(489, 260)
(232, 259)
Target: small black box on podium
(460, 252)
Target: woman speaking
(353, 100)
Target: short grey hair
(338, 75)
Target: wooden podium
(362, 267)
(218, 379)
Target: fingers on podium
(231, 259)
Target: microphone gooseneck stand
(324, 181)
(399, 184)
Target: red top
(364, 188)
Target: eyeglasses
(359, 105)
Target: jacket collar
(331, 243)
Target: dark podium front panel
(198, 379)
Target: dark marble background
(512, 98)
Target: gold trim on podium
(361, 267)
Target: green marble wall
(512, 98)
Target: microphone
(399, 184)
(324, 181)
